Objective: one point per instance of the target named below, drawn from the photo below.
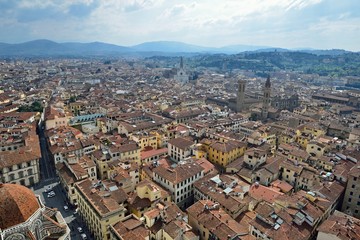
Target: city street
(49, 179)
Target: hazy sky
(321, 24)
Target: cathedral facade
(181, 75)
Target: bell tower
(266, 99)
(240, 96)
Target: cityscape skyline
(279, 23)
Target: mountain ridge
(45, 47)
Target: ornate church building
(270, 106)
(23, 216)
(181, 75)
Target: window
(349, 200)
(351, 193)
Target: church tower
(266, 99)
(181, 75)
(240, 99)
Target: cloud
(178, 10)
(82, 9)
(283, 23)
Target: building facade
(351, 203)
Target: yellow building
(315, 148)
(287, 137)
(298, 155)
(101, 124)
(148, 194)
(76, 107)
(290, 171)
(325, 163)
(223, 153)
(303, 139)
(160, 138)
(145, 140)
(128, 151)
(314, 129)
(100, 204)
(200, 151)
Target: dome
(17, 204)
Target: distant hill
(50, 48)
(169, 46)
(331, 52)
(45, 47)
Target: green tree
(34, 107)
(72, 99)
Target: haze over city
(321, 24)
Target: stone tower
(266, 99)
(181, 63)
(181, 75)
(240, 99)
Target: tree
(72, 99)
(34, 107)
(253, 117)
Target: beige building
(180, 148)
(255, 157)
(100, 204)
(351, 203)
(147, 194)
(56, 117)
(179, 181)
(69, 174)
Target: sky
(320, 24)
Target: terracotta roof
(153, 152)
(342, 226)
(17, 204)
(215, 220)
(260, 192)
(180, 173)
(181, 143)
(131, 228)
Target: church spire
(268, 84)
(181, 62)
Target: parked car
(51, 194)
(80, 230)
(66, 208)
(83, 236)
(48, 189)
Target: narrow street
(49, 179)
